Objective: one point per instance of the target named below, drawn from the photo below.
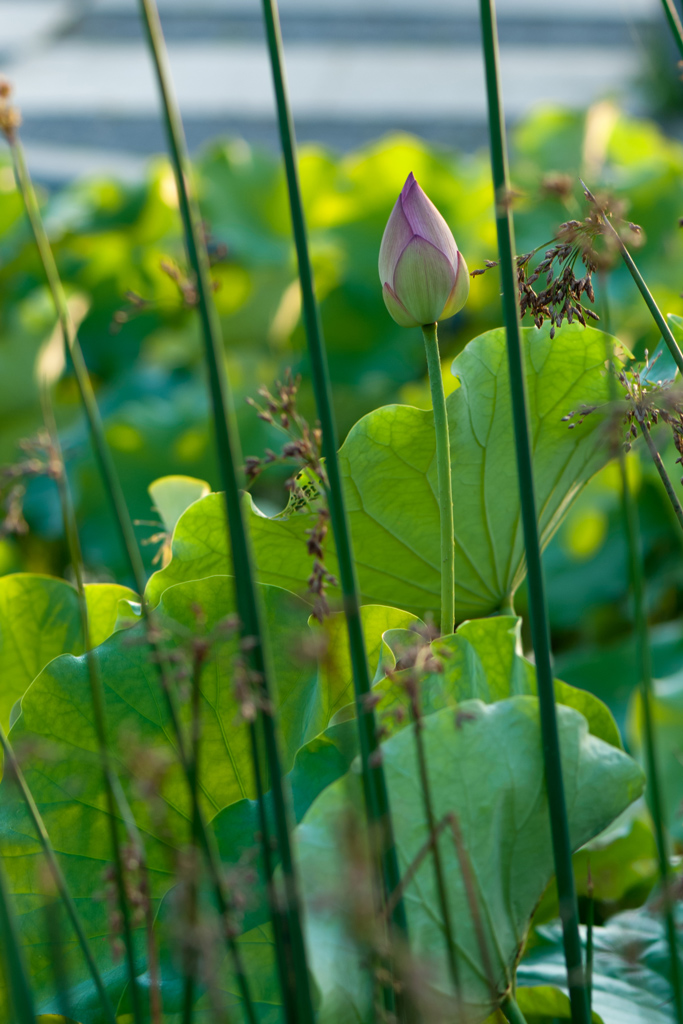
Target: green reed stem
(675, 24)
(590, 921)
(635, 556)
(230, 462)
(439, 874)
(283, 958)
(57, 874)
(124, 522)
(193, 764)
(644, 659)
(16, 976)
(512, 1011)
(443, 465)
(374, 781)
(87, 395)
(648, 298)
(137, 844)
(96, 698)
(661, 469)
(537, 604)
(60, 976)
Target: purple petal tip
(410, 181)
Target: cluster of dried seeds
(40, 458)
(587, 244)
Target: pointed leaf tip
(410, 181)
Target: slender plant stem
(135, 839)
(675, 24)
(193, 887)
(84, 384)
(512, 1011)
(16, 976)
(537, 604)
(644, 661)
(13, 767)
(439, 874)
(60, 976)
(230, 462)
(115, 494)
(96, 699)
(443, 464)
(282, 947)
(648, 298)
(470, 885)
(644, 658)
(661, 469)
(374, 781)
(590, 921)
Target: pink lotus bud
(424, 277)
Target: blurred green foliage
(119, 251)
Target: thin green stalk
(279, 920)
(230, 463)
(60, 975)
(644, 661)
(193, 895)
(470, 886)
(675, 24)
(87, 395)
(115, 494)
(374, 781)
(657, 316)
(137, 844)
(512, 1011)
(644, 658)
(97, 701)
(439, 874)
(661, 469)
(590, 921)
(16, 976)
(12, 765)
(443, 465)
(537, 604)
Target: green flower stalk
(425, 279)
(538, 615)
(20, 993)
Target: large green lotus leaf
(485, 767)
(481, 659)
(667, 717)
(320, 762)
(617, 869)
(39, 620)
(55, 730)
(630, 972)
(389, 469)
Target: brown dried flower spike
(10, 118)
(307, 484)
(588, 243)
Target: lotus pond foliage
(296, 765)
